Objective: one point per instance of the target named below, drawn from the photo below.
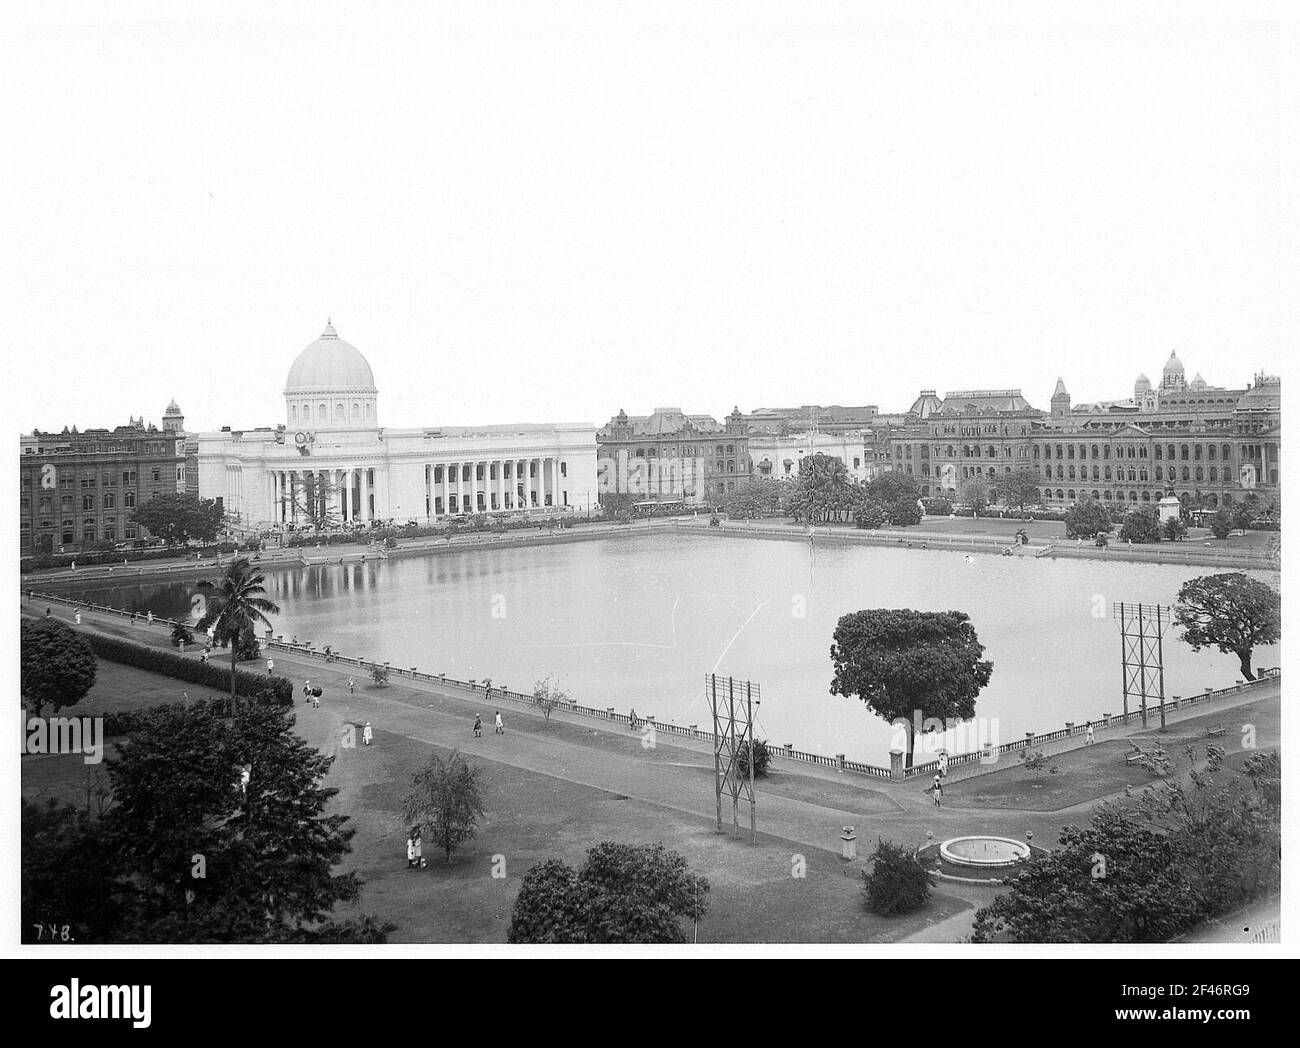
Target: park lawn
(533, 817)
(1089, 773)
(1085, 774)
(530, 817)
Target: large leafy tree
(1232, 612)
(1019, 488)
(1181, 853)
(236, 606)
(892, 485)
(177, 517)
(446, 801)
(1140, 525)
(624, 893)
(900, 662)
(1086, 519)
(186, 851)
(58, 664)
(759, 498)
(976, 492)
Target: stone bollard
(848, 844)
(695, 731)
(896, 765)
(987, 756)
(839, 760)
(609, 712)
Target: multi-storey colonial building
(79, 487)
(670, 456)
(333, 450)
(1205, 443)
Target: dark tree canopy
(1019, 488)
(186, 852)
(1232, 612)
(58, 664)
(895, 881)
(623, 893)
(176, 517)
(1140, 525)
(1086, 519)
(899, 661)
(1146, 870)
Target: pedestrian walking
(315, 698)
(203, 655)
(47, 613)
(410, 851)
(245, 774)
(937, 786)
(478, 726)
(270, 667)
(151, 618)
(1091, 739)
(77, 617)
(499, 729)
(419, 850)
(634, 719)
(943, 763)
(367, 736)
(352, 686)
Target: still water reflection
(638, 621)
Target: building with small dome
(79, 487)
(330, 458)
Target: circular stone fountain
(985, 852)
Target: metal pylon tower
(1142, 632)
(732, 704)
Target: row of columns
(346, 492)
(540, 478)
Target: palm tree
(235, 607)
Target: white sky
(548, 211)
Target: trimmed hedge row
(275, 690)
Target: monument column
(365, 495)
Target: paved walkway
(804, 804)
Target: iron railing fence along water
(786, 751)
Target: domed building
(331, 464)
(1173, 377)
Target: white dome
(330, 365)
(1174, 366)
(1142, 384)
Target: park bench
(1215, 729)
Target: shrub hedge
(276, 690)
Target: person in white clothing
(77, 616)
(367, 736)
(270, 667)
(499, 729)
(1091, 739)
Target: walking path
(806, 805)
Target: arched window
(1142, 475)
(128, 499)
(1094, 452)
(1214, 473)
(1186, 473)
(1200, 473)
(322, 413)
(1196, 452)
(1096, 472)
(1070, 495)
(356, 410)
(110, 501)
(293, 412)
(1106, 495)
(1212, 452)
(1160, 449)
(1132, 496)
(1069, 450)
(1184, 450)
(1146, 496)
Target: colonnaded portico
(333, 463)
